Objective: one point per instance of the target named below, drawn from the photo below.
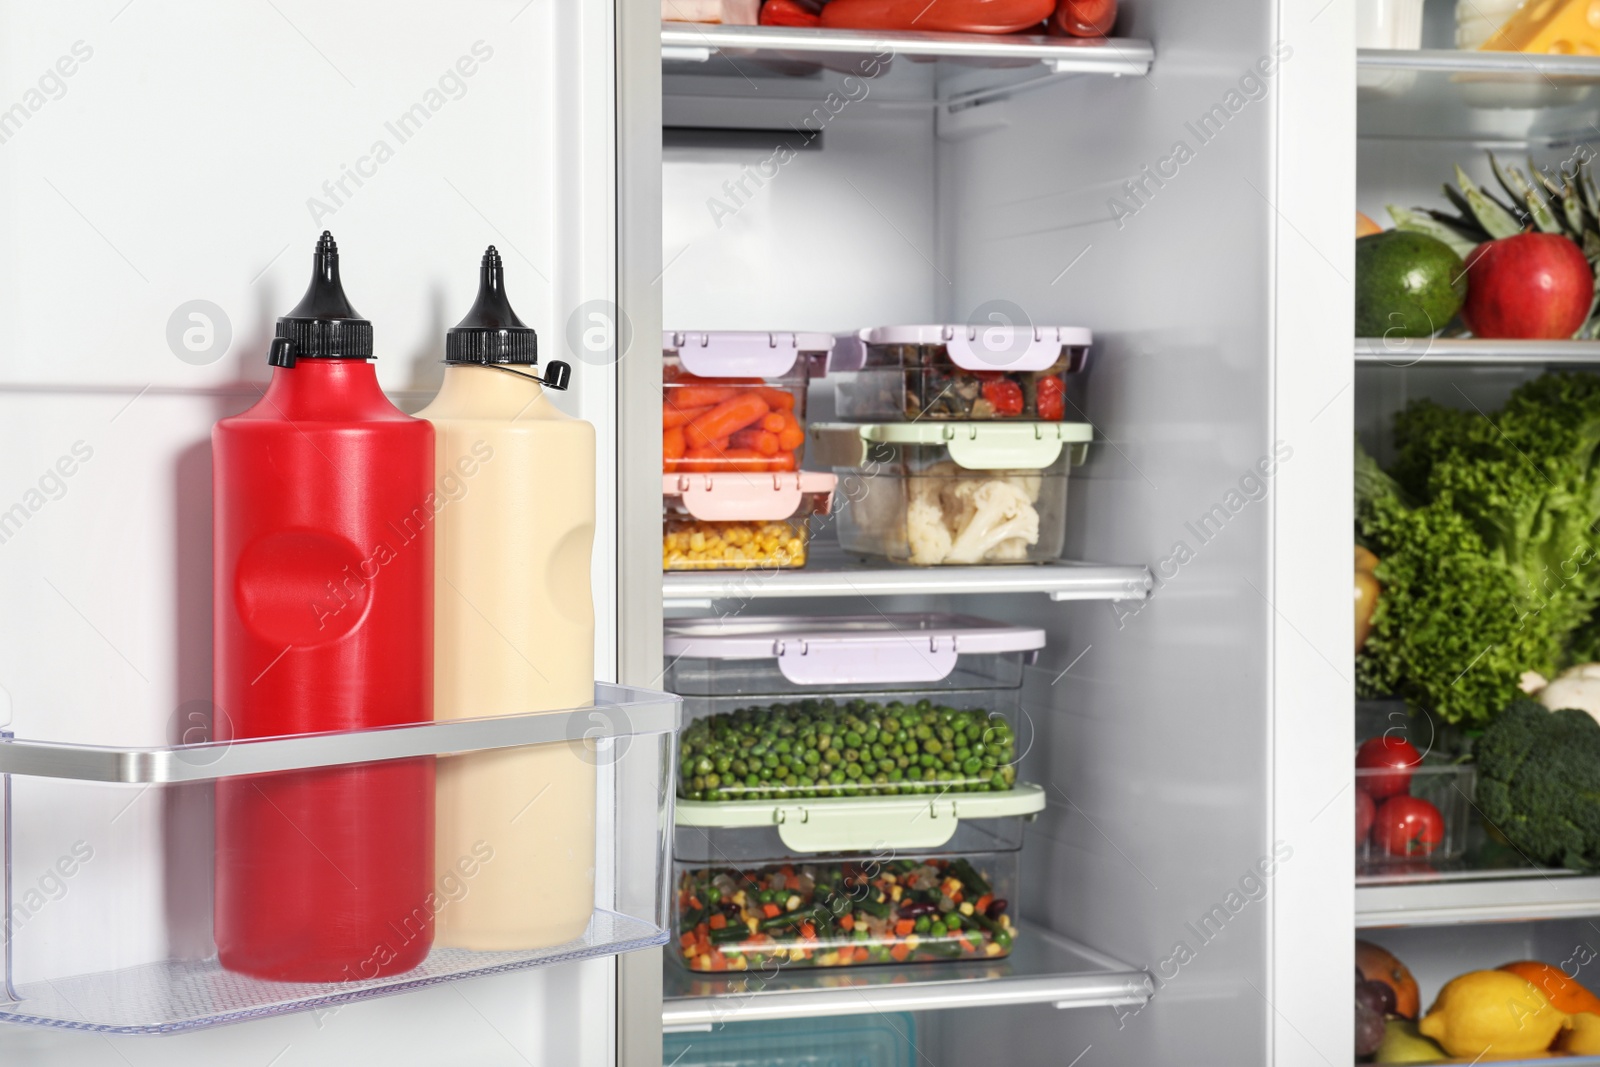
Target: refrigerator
(1182, 190)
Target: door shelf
(1401, 353)
(1530, 895)
(126, 867)
(1042, 969)
(689, 44)
(838, 578)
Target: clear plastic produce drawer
(155, 890)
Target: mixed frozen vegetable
(840, 914)
(929, 386)
(857, 748)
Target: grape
(1369, 1029)
(1384, 994)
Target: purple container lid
(850, 649)
(746, 354)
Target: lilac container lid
(971, 347)
(746, 354)
(850, 649)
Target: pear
(1402, 1044)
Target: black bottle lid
(323, 325)
(491, 332)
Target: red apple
(1529, 286)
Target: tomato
(1407, 826)
(1085, 18)
(789, 13)
(1366, 811)
(1004, 396)
(1389, 752)
(1051, 402)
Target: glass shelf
(1401, 353)
(126, 868)
(1043, 968)
(687, 45)
(830, 573)
(1489, 98)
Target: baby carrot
(672, 443)
(776, 398)
(758, 440)
(730, 415)
(791, 438)
(774, 422)
(671, 416)
(694, 396)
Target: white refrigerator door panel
(166, 166)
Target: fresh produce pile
(728, 424)
(840, 914)
(859, 748)
(1519, 268)
(697, 545)
(1485, 534)
(1523, 1009)
(1391, 823)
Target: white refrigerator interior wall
(192, 155)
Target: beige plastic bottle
(514, 632)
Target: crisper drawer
(957, 372)
(744, 901)
(788, 654)
(302, 871)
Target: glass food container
(958, 372)
(743, 904)
(856, 706)
(946, 494)
(741, 521)
(736, 401)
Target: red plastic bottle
(323, 539)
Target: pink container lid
(971, 347)
(750, 495)
(742, 354)
(850, 649)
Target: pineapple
(1569, 206)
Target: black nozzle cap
(324, 325)
(491, 332)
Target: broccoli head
(1539, 782)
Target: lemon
(1492, 1012)
(1584, 1037)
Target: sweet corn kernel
(689, 544)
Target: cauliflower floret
(926, 532)
(1003, 513)
(1031, 484)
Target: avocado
(1407, 285)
